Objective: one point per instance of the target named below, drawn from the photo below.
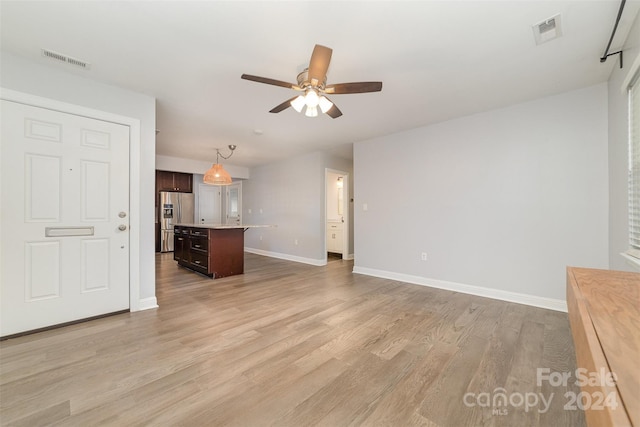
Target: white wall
(502, 200)
(619, 150)
(289, 194)
(53, 82)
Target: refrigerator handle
(180, 201)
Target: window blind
(634, 167)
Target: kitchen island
(211, 249)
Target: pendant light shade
(298, 103)
(311, 98)
(325, 104)
(311, 112)
(217, 176)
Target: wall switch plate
(260, 238)
(423, 256)
(295, 242)
(365, 207)
(249, 210)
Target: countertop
(224, 226)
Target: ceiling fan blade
(269, 81)
(334, 112)
(319, 64)
(358, 87)
(286, 104)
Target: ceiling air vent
(65, 58)
(548, 29)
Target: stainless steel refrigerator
(175, 208)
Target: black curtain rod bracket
(604, 58)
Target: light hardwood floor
(289, 344)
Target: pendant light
(216, 175)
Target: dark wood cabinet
(174, 181)
(164, 181)
(183, 182)
(170, 181)
(181, 244)
(214, 252)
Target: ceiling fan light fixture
(311, 99)
(311, 111)
(298, 103)
(313, 82)
(325, 104)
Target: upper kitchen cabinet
(174, 181)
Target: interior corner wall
(53, 82)
(290, 195)
(619, 150)
(502, 200)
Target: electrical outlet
(261, 238)
(295, 242)
(249, 210)
(423, 256)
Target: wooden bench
(604, 313)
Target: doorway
(337, 215)
(233, 204)
(209, 204)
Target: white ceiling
(437, 60)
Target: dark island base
(212, 252)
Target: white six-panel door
(65, 218)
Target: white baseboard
(536, 301)
(147, 303)
(312, 261)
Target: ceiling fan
(313, 82)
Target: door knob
(122, 227)
(122, 214)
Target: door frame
(135, 302)
(346, 214)
(237, 184)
